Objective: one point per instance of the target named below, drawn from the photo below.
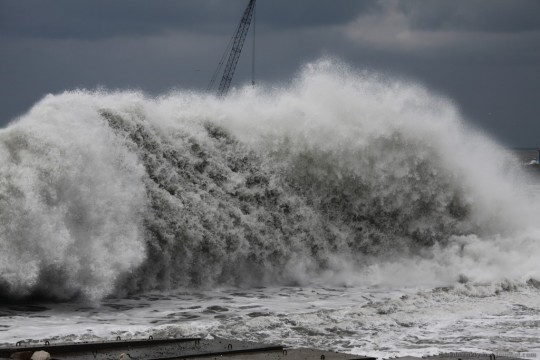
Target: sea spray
(71, 203)
(340, 176)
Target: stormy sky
(483, 54)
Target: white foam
(361, 320)
(345, 175)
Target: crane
(233, 50)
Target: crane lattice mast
(233, 50)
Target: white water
(375, 321)
(339, 178)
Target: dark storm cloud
(91, 19)
(104, 18)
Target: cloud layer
(484, 54)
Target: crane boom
(237, 44)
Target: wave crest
(341, 175)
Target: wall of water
(340, 176)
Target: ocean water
(345, 210)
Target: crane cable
(253, 54)
(220, 65)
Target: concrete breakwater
(187, 348)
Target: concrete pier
(191, 348)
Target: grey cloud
(473, 15)
(305, 13)
(482, 54)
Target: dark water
(525, 156)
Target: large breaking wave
(340, 176)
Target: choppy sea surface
(358, 320)
(345, 211)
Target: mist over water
(340, 177)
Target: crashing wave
(341, 176)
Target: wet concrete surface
(189, 348)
